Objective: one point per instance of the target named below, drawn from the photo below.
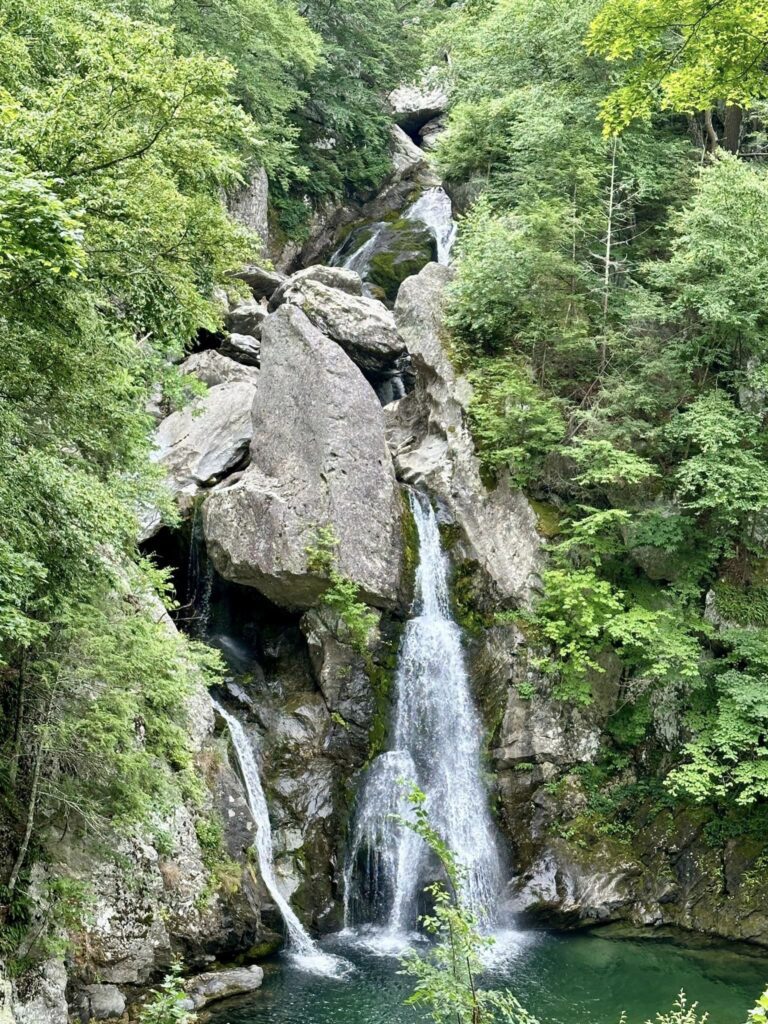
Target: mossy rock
(401, 248)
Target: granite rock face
(432, 447)
(204, 442)
(214, 985)
(363, 327)
(213, 368)
(319, 459)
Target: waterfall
(434, 209)
(301, 946)
(436, 743)
(359, 260)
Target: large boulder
(247, 318)
(363, 327)
(260, 280)
(319, 459)
(242, 348)
(333, 277)
(213, 368)
(432, 447)
(415, 105)
(201, 444)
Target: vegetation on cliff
(610, 307)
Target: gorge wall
(291, 439)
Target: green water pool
(562, 979)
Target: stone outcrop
(102, 1002)
(319, 459)
(204, 442)
(432, 447)
(363, 327)
(213, 368)
(247, 318)
(332, 277)
(249, 206)
(415, 105)
(39, 996)
(260, 280)
(215, 985)
(244, 348)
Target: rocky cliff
(295, 435)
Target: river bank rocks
(319, 460)
(216, 985)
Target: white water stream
(434, 208)
(303, 949)
(436, 743)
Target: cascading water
(304, 951)
(434, 208)
(436, 743)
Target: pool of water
(562, 979)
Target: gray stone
(432, 446)
(333, 277)
(319, 459)
(431, 132)
(261, 281)
(201, 444)
(250, 206)
(243, 348)
(363, 327)
(213, 368)
(215, 985)
(417, 104)
(247, 318)
(40, 995)
(105, 1002)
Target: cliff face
(323, 405)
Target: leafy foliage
(166, 1005)
(681, 54)
(446, 978)
(342, 593)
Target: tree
(682, 55)
(447, 978)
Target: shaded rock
(432, 446)
(430, 134)
(363, 327)
(333, 277)
(40, 995)
(207, 988)
(213, 368)
(261, 281)
(243, 348)
(319, 458)
(415, 105)
(249, 206)
(202, 443)
(247, 318)
(339, 669)
(408, 160)
(104, 1002)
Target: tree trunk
(734, 117)
(714, 141)
(22, 855)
